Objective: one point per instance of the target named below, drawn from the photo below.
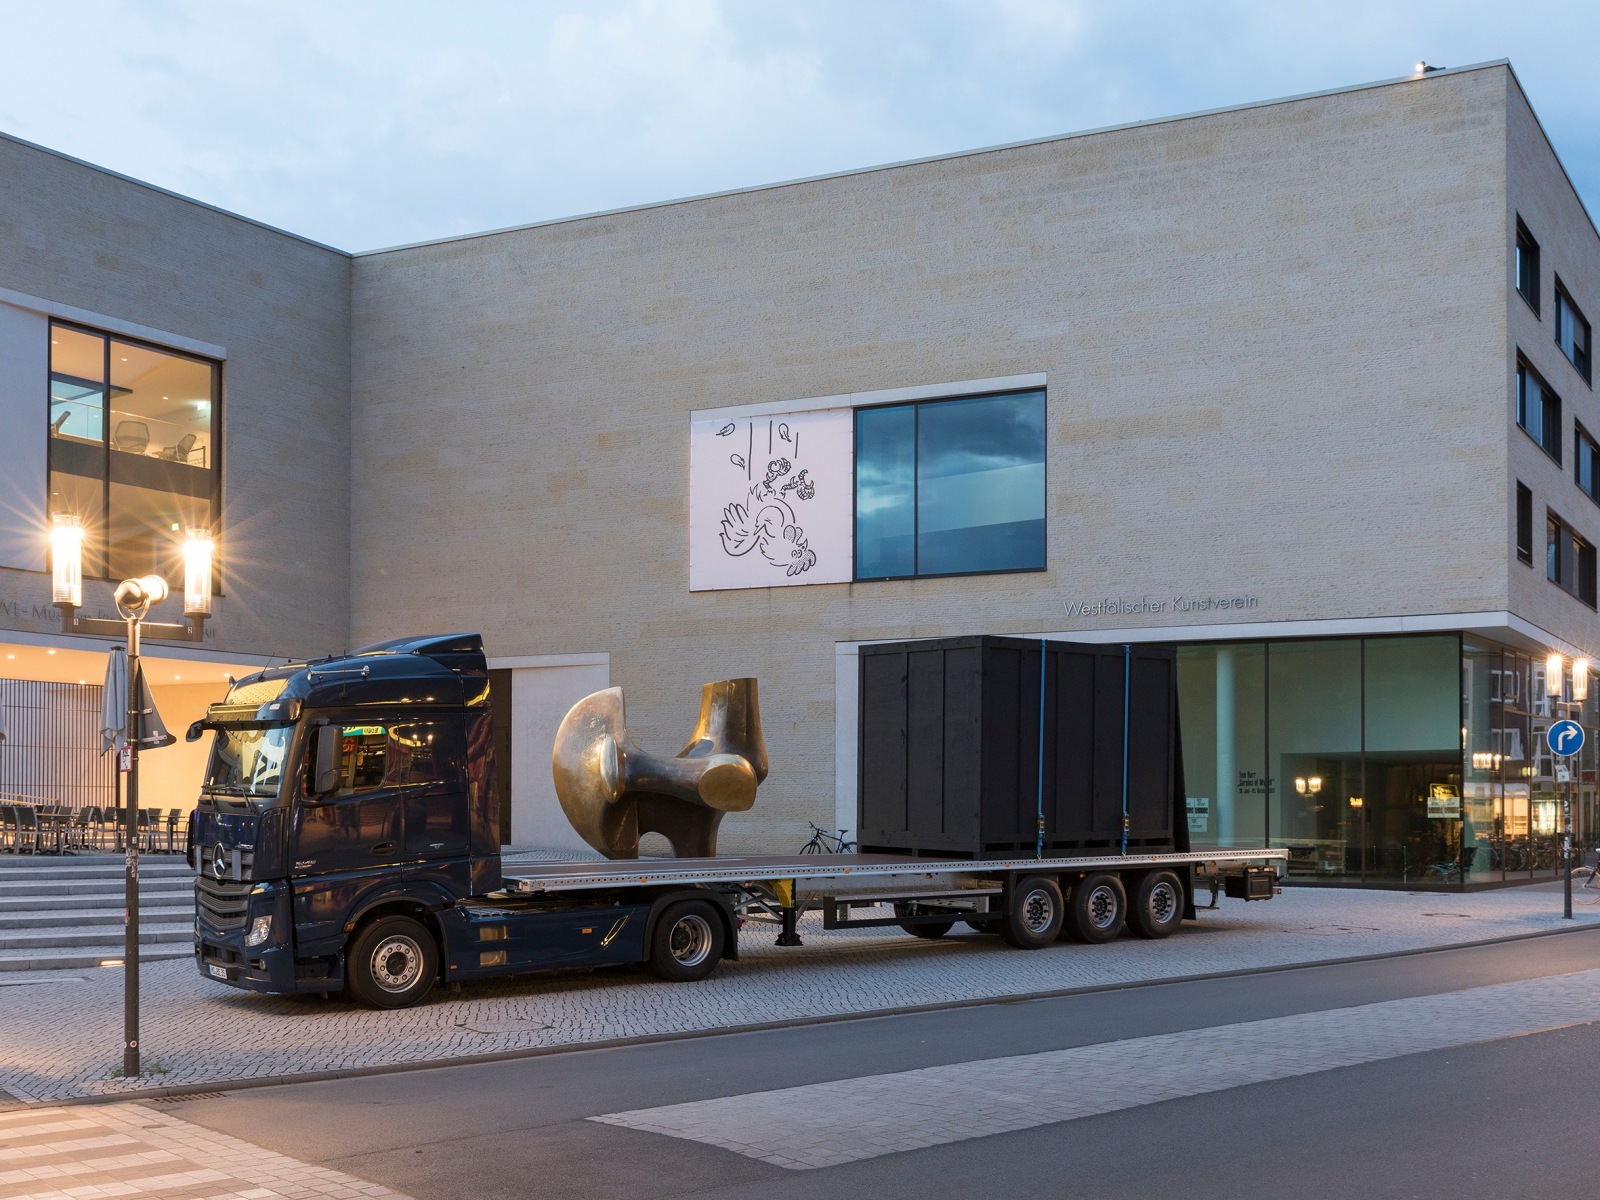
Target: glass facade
(133, 435)
(951, 487)
(1414, 760)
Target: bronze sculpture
(612, 791)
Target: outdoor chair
(10, 831)
(27, 828)
(174, 824)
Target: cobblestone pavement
(61, 1040)
(93, 1153)
(825, 1124)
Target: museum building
(1293, 385)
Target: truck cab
(337, 791)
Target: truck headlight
(259, 929)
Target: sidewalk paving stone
(62, 1039)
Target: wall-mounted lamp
(1554, 668)
(1310, 786)
(1580, 680)
(134, 597)
(1356, 802)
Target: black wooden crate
(948, 758)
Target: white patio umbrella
(114, 702)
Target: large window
(1586, 460)
(1572, 330)
(1538, 410)
(1527, 266)
(1569, 559)
(951, 487)
(133, 435)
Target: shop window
(1572, 331)
(1538, 410)
(1527, 266)
(1585, 462)
(1525, 523)
(951, 487)
(1569, 560)
(133, 434)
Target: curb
(8, 1104)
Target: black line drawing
(726, 429)
(783, 432)
(736, 461)
(766, 521)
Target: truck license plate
(218, 972)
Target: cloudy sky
(365, 124)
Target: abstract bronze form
(612, 791)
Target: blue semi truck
(347, 837)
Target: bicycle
(1586, 885)
(823, 842)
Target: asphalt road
(1506, 1117)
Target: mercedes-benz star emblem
(219, 861)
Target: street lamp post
(1554, 681)
(134, 599)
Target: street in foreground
(1443, 1074)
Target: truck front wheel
(687, 942)
(392, 963)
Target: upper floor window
(1524, 523)
(133, 435)
(1586, 462)
(1569, 559)
(1572, 331)
(1538, 410)
(1527, 266)
(951, 487)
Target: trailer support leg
(790, 936)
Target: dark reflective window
(951, 487)
(1538, 410)
(1586, 460)
(1572, 331)
(1527, 266)
(886, 492)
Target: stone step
(83, 957)
(94, 918)
(70, 868)
(156, 896)
(45, 940)
(93, 887)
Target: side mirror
(329, 758)
(196, 731)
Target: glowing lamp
(1553, 668)
(66, 560)
(198, 550)
(1580, 679)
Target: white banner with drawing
(770, 498)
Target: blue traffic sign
(1565, 737)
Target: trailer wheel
(935, 930)
(1099, 908)
(1157, 905)
(392, 963)
(687, 942)
(1033, 917)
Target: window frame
(1565, 302)
(916, 405)
(1531, 256)
(99, 566)
(1582, 581)
(1582, 439)
(1550, 440)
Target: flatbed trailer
(347, 837)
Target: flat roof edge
(934, 158)
(155, 187)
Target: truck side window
(410, 752)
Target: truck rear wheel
(392, 963)
(1157, 905)
(1034, 914)
(1098, 909)
(934, 929)
(687, 942)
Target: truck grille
(223, 903)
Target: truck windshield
(249, 762)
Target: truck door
(426, 761)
